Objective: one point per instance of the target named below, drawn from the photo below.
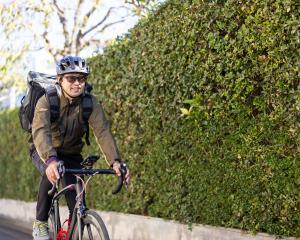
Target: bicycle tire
(52, 226)
(93, 227)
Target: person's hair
(59, 78)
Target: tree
(141, 7)
(60, 27)
(73, 25)
(10, 52)
(77, 24)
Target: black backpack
(40, 84)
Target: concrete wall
(133, 227)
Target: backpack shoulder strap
(53, 99)
(87, 108)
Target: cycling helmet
(72, 64)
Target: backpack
(40, 84)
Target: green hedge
(230, 157)
(17, 176)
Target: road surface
(12, 230)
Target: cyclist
(62, 140)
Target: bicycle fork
(57, 215)
(78, 211)
(79, 225)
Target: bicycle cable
(83, 184)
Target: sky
(43, 62)
(38, 59)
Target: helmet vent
(72, 64)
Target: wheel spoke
(88, 226)
(93, 227)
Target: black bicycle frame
(79, 208)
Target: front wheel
(93, 227)
(52, 226)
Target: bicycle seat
(90, 161)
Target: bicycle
(85, 223)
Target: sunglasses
(73, 79)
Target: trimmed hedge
(230, 157)
(17, 174)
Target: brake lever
(123, 169)
(61, 168)
(53, 189)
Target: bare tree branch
(107, 26)
(75, 23)
(140, 6)
(48, 46)
(78, 39)
(82, 26)
(86, 18)
(86, 43)
(134, 3)
(74, 33)
(45, 36)
(89, 13)
(63, 21)
(61, 12)
(101, 22)
(96, 41)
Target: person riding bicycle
(62, 139)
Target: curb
(135, 227)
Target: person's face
(73, 84)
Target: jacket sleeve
(41, 130)
(103, 134)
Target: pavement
(134, 227)
(14, 230)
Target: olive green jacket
(65, 135)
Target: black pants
(43, 199)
